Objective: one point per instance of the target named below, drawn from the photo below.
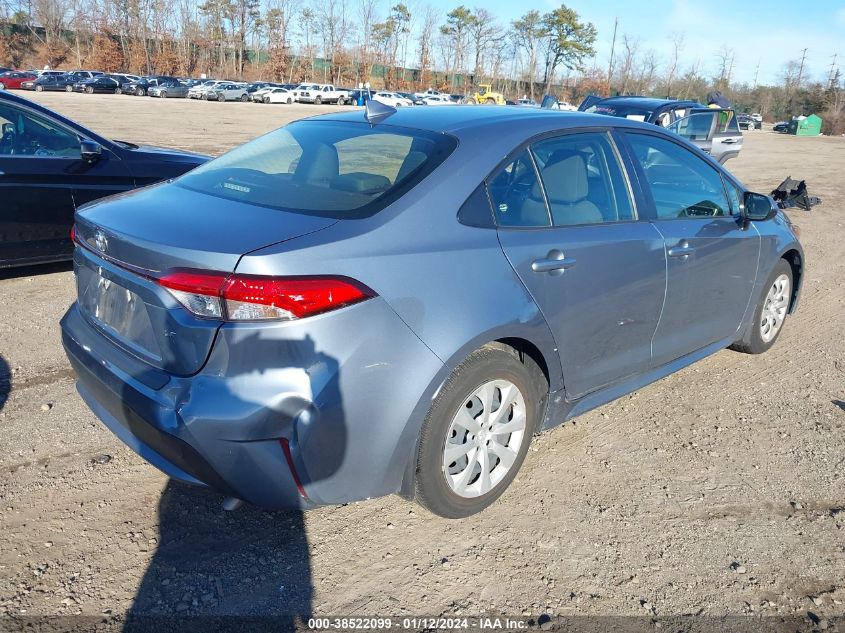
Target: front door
(42, 179)
(567, 225)
(711, 255)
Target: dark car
(51, 165)
(747, 122)
(52, 83)
(781, 127)
(272, 325)
(102, 84)
(139, 88)
(357, 95)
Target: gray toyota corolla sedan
(343, 309)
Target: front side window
(682, 184)
(326, 168)
(27, 134)
(583, 180)
(517, 196)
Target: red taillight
(260, 298)
(73, 234)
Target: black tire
(118, 91)
(89, 90)
(266, 99)
(244, 98)
(490, 362)
(290, 100)
(68, 88)
(163, 94)
(318, 100)
(39, 88)
(341, 101)
(221, 98)
(140, 92)
(752, 340)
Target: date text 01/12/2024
(416, 623)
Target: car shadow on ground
(5, 382)
(247, 569)
(38, 269)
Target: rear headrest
(566, 178)
(360, 182)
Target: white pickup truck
(321, 93)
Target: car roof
(645, 102)
(458, 119)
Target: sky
(768, 32)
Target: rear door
(711, 258)
(568, 226)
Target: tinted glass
(517, 196)
(583, 180)
(26, 134)
(695, 127)
(623, 110)
(326, 168)
(682, 184)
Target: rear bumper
(349, 407)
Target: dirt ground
(717, 491)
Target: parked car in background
(29, 84)
(228, 92)
(392, 99)
(438, 100)
(781, 127)
(140, 87)
(53, 83)
(322, 93)
(169, 90)
(257, 96)
(358, 95)
(212, 329)
(75, 76)
(715, 130)
(527, 102)
(201, 90)
(101, 84)
(51, 165)
(757, 117)
(747, 122)
(13, 79)
(278, 95)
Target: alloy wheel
(484, 438)
(774, 308)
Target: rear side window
(517, 195)
(583, 180)
(326, 168)
(682, 184)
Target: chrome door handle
(682, 250)
(554, 262)
(729, 141)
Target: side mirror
(757, 206)
(91, 151)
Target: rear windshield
(325, 168)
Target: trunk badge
(100, 241)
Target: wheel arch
(520, 342)
(796, 262)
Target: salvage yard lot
(719, 490)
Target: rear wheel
(770, 312)
(476, 434)
(117, 91)
(221, 98)
(341, 101)
(244, 98)
(67, 88)
(140, 92)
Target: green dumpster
(810, 126)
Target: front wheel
(163, 94)
(770, 312)
(140, 92)
(221, 98)
(476, 434)
(39, 88)
(67, 88)
(89, 90)
(244, 98)
(318, 100)
(290, 100)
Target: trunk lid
(130, 239)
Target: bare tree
(672, 68)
